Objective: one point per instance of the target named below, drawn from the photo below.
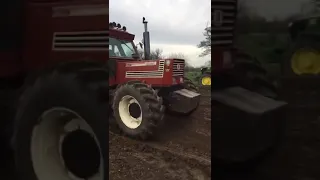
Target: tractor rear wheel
(138, 110)
(60, 130)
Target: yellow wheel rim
(206, 81)
(305, 61)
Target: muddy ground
(296, 158)
(181, 151)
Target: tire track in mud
(155, 146)
(151, 161)
(202, 160)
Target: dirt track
(181, 151)
(297, 158)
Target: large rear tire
(138, 110)
(60, 130)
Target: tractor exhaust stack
(146, 39)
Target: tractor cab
(309, 24)
(121, 44)
(125, 63)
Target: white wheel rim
(46, 142)
(125, 115)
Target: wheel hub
(63, 146)
(305, 61)
(130, 112)
(134, 110)
(80, 154)
(206, 81)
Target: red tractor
(246, 113)
(140, 90)
(52, 76)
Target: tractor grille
(147, 74)
(224, 18)
(178, 67)
(81, 41)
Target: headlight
(174, 81)
(181, 79)
(168, 62)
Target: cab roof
(119, 34)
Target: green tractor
(301, 63)
(303, 57)
(205, 76)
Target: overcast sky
(175, 26)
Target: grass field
(193, 76)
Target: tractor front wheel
(138, 110)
